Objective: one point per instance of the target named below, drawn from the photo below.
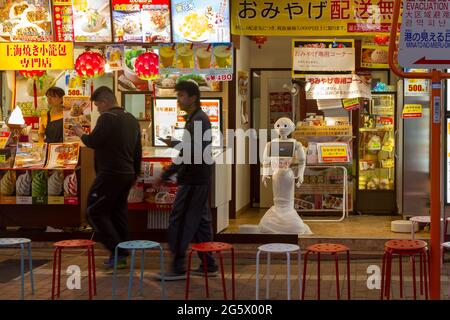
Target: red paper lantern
(146, 66)
(90, 65)
(260, 40)
(32, 74)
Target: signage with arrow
(425, 35)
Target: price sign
(412, 111)
(416, 87)
(332, 153)
(220, 77)
(74, 92)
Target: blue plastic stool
(133, 246)
(8, 242)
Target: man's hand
(78, 129)
(169, 141)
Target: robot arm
(300, 158)
(266, 165)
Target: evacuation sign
(425, 34)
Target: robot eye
(278, 125)
(285, 125)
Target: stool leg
(299, 266)
(31, 267)
(318, 276)
(89, 272)
(305, 263)
(223, 275)
(425, 273)
(188, 276)
(115, 272)
(233, 285)
(130, 284)
(22, 271)
(336, 262)
(400, 269)
(348, 274)
(161, 261)
(93, 270)
(413, 260)
(383, 270)
(205, 270)
(421, 274)
(55, 258)
(268, 276)
(59, 271)
(388, 275)
(142, 271)
(288, 262)
(257, 275)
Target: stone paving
(245, 278)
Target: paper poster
(201, 21)
(143, 21)
(23, 187)
(71, 188)
(30, 155)
(25, 20)
(39, 186)
(92, 21)
(8, 187)
(157, 195)
(55, 186)
(127, 78)
(63, 20)
(342, 86)
(114, 56)
(374, 56)
(63, 155)
(77, 110)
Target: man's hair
(104, 93)
(55, 92)
(191, 88)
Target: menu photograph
(63, 155)
(76, 110)
(201, 21)
(92, 20)
(28, 20)
(145, 21)
(30, 155)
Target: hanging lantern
(90, 65)
(32, 74)
(146, 66)
(260, 40)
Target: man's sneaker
(121, 262)
(200, 272)
(170, 276)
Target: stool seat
(138, 244)
(405, 245)
(279, 247)
(211, 246)
(74, 243)
(446, 245)
(13, 241)
(327, 248)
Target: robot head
(284, 126)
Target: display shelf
(375, 129)
(52, 169)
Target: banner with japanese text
(322, 55)
(36, 56)
(311, 17)
(337, 86)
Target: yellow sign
(412, 111)
(334, 153)
(351, 104)
(4, 138)
(374, 56)
(387, 163)
(311, 18)
(36, 56)
(322, 131)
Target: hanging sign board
(334, 86)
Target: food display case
(377, 155)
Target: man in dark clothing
(116, 141)
(190, 219)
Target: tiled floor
(355, 226)
(245, 279)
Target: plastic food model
(71, 185)
(282, 216)
(23, 184)
(8, 183)
(55, 183)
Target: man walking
(190, 219)
(117, 148)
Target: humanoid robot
(281, 156)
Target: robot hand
(299, 181)
(265, 178)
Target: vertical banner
(63, 20)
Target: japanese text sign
(36, 56)
(311, 17)
(333, 152)
(412, 111)
(425, 34)
(341, 86)
(322, 55)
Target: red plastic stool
(57, 261)
(333, 249)
(217, 247)
(409, 248)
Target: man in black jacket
(190, 219)
(116, 141)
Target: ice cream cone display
(55, 187)
(8, 187)
(23, 184)
(39, 186)
(70, 186)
